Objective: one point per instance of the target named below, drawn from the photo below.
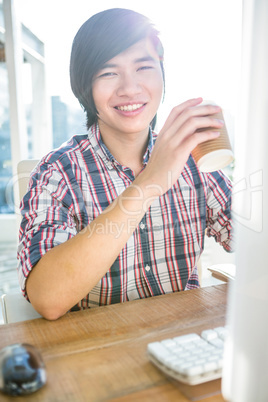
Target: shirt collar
(100, 148)
(149, 149)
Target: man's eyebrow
(139, 60)
(145, 58)
(108, 65)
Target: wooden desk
(100, 354)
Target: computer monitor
(245, 374)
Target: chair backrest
(24, 170)
(16, 308)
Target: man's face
(128, 89)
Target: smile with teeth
(129, 108)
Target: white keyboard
(191, 359)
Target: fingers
(193, 119)
(199, 137)
(188, 117)
(177, 110)
(197, 125)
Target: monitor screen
(245, 375)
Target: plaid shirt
(72, 185)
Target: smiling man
(121, 213)
(127, 92)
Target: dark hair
(100, 38)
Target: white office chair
(16, 308)
(24, 170)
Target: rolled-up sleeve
(47, 218)
(219, 204)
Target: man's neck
(128, 149)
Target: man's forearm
(69, 271)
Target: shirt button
(147, 268)
(109, 165)
(142, 226)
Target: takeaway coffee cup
(214, 154)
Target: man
(121, 213)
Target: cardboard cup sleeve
(214, 154)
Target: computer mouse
(22, 370)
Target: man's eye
(145, 68)
(108, 74)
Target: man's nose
(129, 85)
